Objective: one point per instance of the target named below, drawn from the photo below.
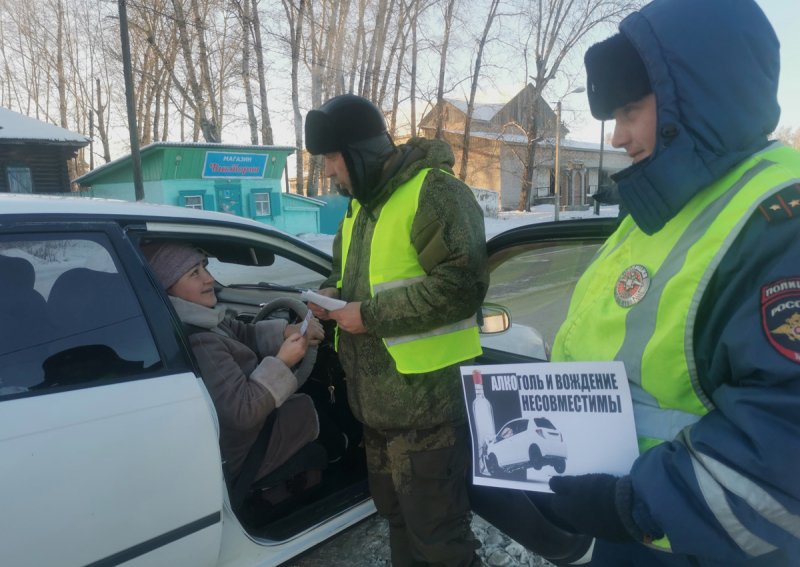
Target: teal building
(241, 180)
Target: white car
(526, 442)
(109, 447)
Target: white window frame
(19, 177)
(193, 202)
(262, 204)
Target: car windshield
(543, 422)
(283, 272)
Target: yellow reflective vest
(393, 263)
(637, 301)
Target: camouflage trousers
(419, 484)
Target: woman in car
(247, 368)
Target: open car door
(534, 270)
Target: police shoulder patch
(783, 205)
(780, 316)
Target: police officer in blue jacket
(710, 335)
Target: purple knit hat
(170, 260)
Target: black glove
(589, 503)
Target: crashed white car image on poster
(530, 422)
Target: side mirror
(494, 319)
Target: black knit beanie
(615, 76)
(355, 127)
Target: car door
(534, 270)
(108, 443)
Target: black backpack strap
(241, 486)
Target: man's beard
(340, 189)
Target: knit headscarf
(170, 260)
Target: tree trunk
(462, 174)
(359, 46)
(295, 16)
(208, 126)
(266, 124)
(448, 21)
(243, 11)
(414, 57)
(102, 126)
(398, 37)
(397, 77)
(203, 60)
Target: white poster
(532, 421)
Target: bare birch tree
(242, 9)
(473, 88)
(295, 14)
(448, 23)
(556, 27)
(266, 123)
(199, 87)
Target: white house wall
(579, 170)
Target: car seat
(100, 329)
(23, 310)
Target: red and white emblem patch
(631, 286)
(780, 316)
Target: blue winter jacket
(713, 66)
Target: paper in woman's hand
(304, 325)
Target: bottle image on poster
(484, 419)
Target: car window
(282, 271)
(67, 315)
(535, 283)
(543, 422)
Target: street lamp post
(557, 203)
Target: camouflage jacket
(448, 234)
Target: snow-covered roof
(214, 145)
(566, 143)
(483, 112)
(113, 164)
(16, 127)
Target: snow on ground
(505, 220)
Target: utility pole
(127, 70)
(558, 147)
(600, 167)
(557, 177)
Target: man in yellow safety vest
(410, 261)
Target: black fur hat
(355, 127)
(342, 121)
(615, 76)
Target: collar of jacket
(383, 188)
(197, 315)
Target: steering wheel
(300, 309)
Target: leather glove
(591, 504)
